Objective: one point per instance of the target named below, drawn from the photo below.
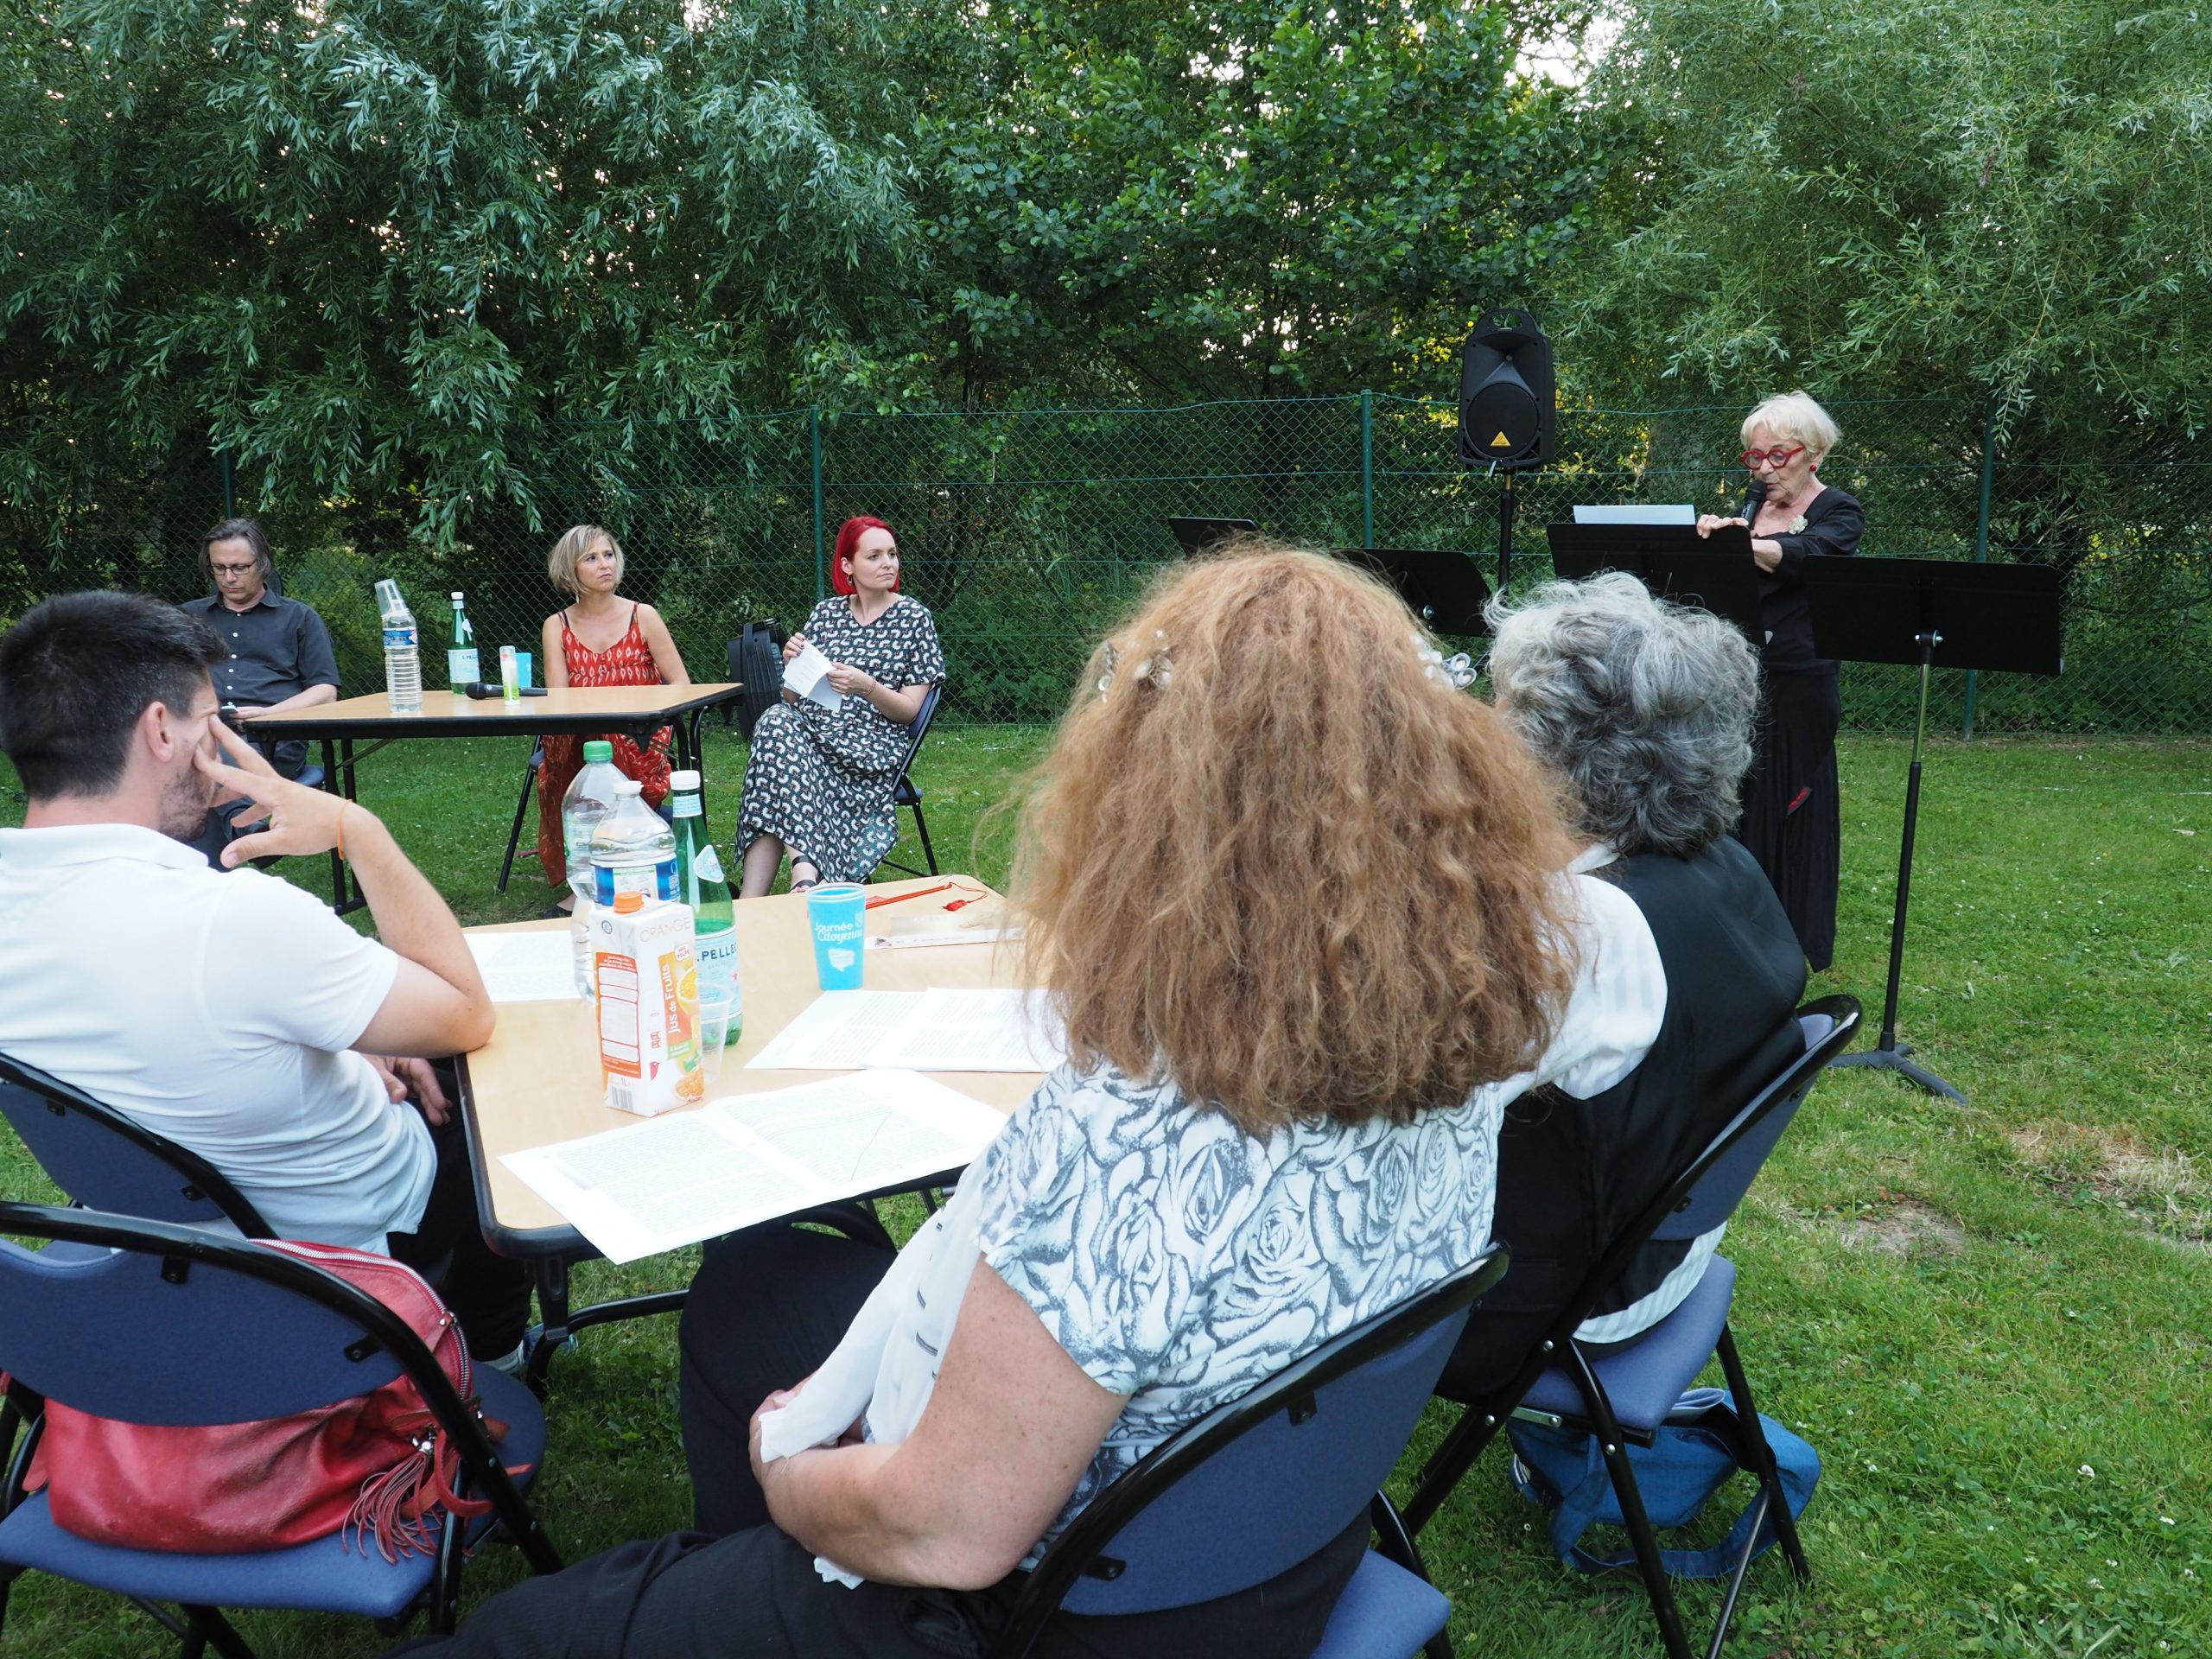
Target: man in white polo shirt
(232, 1012)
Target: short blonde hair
(1282, 862)
(561, 564)
(1795, 416)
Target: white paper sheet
(837, 1033)
(973, 1031)
(744, 1159)
(1673, 512)
(805, 675)
(526, 967)
(916, 1031)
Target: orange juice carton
(646, 982)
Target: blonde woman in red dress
(601, 639)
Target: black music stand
(1714, 573)
(1939, 613)
(1442, 587)
(1199, 536)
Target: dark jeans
(489, 1294)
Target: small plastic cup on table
(714, 1012)
(523, 667)
(836, 915)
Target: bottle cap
(456, 598)
(628, 904)
(599, 749)
(685, 782)
(628, 786)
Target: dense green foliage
(1911, 196)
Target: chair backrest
(1263, 1482)
(177, 1325)
(100, 1158)
(1707, 1192)
(919, 727)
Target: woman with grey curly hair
(1644, 712)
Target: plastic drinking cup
(714, 1035)
(522, 670)
(836, 913)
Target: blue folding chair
(1623, 1398)
(150, 1322)
(905, 792)
(99, 1157)
(1261, 1483)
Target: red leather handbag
(377, 1465)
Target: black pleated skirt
(1793, 820)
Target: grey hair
(1644, 708)
(1795, 416)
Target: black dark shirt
(1834, 524)
(279, 647)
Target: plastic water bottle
(699, 876)
(631, 851)
(403, 656)
(462, 668)
(590, 797)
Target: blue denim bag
(1695, 1453)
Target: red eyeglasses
(1776, 457)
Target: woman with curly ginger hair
(1303, 909)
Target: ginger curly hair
(1301, 876)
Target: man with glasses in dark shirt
(280, 650)
(280, 654)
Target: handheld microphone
(479, 689)
(1754, 499)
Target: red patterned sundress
(628, 661)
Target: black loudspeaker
(1509, 402)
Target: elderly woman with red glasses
(1793, 821)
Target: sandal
(810, 882)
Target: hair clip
(1457, 670)
(1159, 667)
(1106, 679)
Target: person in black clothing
(1644, 710)
(1793, 820)
(279, 654)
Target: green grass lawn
(1992, 1323)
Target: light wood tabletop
(537, 1083)
(571, 708)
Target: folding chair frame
(1081, 1550)
(380, 1327)
(903, 792)
(1479, 1423)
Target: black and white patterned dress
(821, 782)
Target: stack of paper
(920, 1031)
(536, 967)
(656, 1186)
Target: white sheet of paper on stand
(539, 966)
(807, 674)
(745, 1159)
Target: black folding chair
(1261, 1483)
(904, 792)
(146, 1322)
(530, 769)
(1623, 1398)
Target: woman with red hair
(818, 780)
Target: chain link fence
(1028, 532)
